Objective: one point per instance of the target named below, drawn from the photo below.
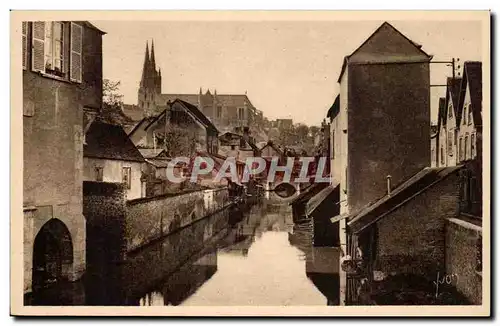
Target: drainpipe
(388, 185)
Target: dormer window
(464, 116)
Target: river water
(242, 256)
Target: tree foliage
(111, 93)
(180, 140)
(299, 139)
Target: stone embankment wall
(132, 224)
(148, 219)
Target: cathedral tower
(150, 86)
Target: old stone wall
(147, 270)
(104, 210)
(148, 219)
(411, 239)
(462, 258)
(388, 127)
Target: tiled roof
(232, 134)
(309, 192)
(441, 113)
(133, 112)
(143, 123)
(190, 98)
(159, 163)
(472, 77)
(150, 152)
(271, 144)
(92, 26)
(110, 142)
(421, 181)
(384, 25)
(147, 122)
(198, 114)
(227, 100)
(453, 90)
(320, 197)
(334, 109)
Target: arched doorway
(52, 254)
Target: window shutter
(76, 53)
(38, 47)
(25, 45)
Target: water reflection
(242, 256)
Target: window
(127, 176)
(450, 143)
(466, 146)
(49, 49)
(470, 114)
(442, 155)
(54, 48)
(219, 111)
(241, 113)
(450, 110)
(460, 149)
(98, 173)
(464, 116)
(473, 145)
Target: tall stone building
(228, 112)
(62, 94)
(382, 126)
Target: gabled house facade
(238, 146)
(110, 156)
(62, 92)
(180, 124)
(442, 132)
(469, 131)
(452, 118)
(385, 81)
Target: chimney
(389, 185)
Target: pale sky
(289, 69)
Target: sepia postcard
(250, 163)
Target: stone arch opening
(52, 254)
(285, 190)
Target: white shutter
(38, 47)
(76, 52)
(25, 45)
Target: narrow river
(250, 256)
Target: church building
(228, 112)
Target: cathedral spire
(146, 65)
(153, 63)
